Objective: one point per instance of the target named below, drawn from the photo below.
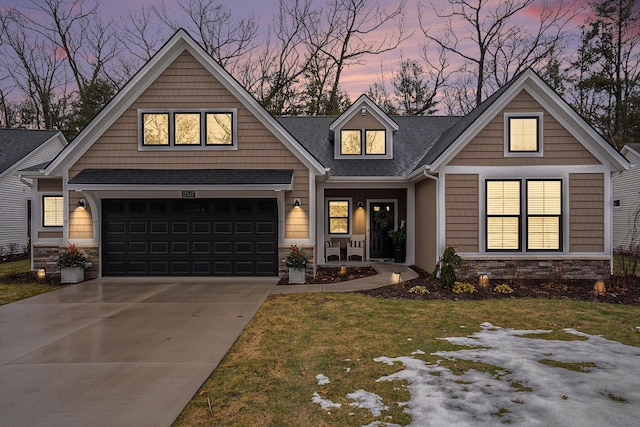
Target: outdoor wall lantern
(297, 203)
(360, 204)
(82, 203)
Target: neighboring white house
(626, 201)
(20, 149)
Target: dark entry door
(199, 237)
(381, 220)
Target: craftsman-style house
(184, 173)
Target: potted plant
(297, 263)
(398, 236)
(72, 262)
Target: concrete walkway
(387, 275)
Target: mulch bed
(619, 290)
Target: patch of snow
(347, 369)
(418, 352)
(608, 394)
(371, 401)
(322, 380)
(325, 403)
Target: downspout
(25, 182)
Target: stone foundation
(566, 269)
(46, 256)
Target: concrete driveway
(118, 352)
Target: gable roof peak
(365, 105)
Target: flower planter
(296, 275)
(71, 275)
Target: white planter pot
(72, 275)
(296, 275)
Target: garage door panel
(157, 227)
(180, 227)
(159, 248)
(180, 248)
(201, 248)
(222, 237)
(137, 227)
(137, 247)
(201, 227)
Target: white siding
(14, 195)
(626, 188)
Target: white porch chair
(356, 246)
(331, 249)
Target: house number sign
(188, 194)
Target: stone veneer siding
(47, 257)
(566, 269)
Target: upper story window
(351, 142)
(523, 134)
(52, 211)
(183, 129)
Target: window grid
(184, 129)
(52, 211)
(353, 142)
(338, 216)
(542, 221)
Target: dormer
(363, 131)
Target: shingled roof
(16, 144)
(416, 136)
(183, 177)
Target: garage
(190, 237)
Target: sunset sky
(356, 79)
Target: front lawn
(270, 375)
(11, 290)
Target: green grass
(10, 292)
(268, 377)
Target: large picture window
(52, 211)
(338, 211)
(543, 220)
(184, 129)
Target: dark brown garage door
(190, 237)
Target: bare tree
(346, 37)
(226, 40)
(501, 47)
(76, 30)
(35, 69)
(273, 77)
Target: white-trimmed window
(617, 204)
(542, 202)
(339, 216)
(523, 134)
(184, 129)
(351, 142)
(52, 211)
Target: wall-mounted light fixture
(82, 203)
(360, 204)
(297, 203)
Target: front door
(381, 220)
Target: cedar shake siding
(426, 235)
(559, 146)
(461, 206)
(586, 221)
(49, 184)
(185, 84)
